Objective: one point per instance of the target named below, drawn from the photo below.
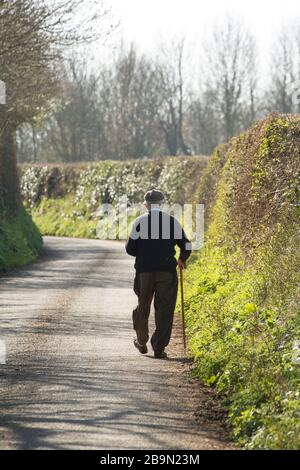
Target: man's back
(153, 239)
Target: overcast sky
(144, 20)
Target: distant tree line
(139, 105)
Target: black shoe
(160, 355)
(141, 347)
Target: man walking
(152, 241)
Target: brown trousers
(163, 286)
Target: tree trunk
(9, 184)
(34, 143)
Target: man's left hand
(181, 264)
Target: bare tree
(285, 70)
(172, 86)
(231, 73)
(71, 129)
(133, 103)
(110, 114)
(33, 35)
(203, 123)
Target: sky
(143, 21)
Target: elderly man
(152, 241)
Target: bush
(243, 295)
(64, 199)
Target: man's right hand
(181, 264)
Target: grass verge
(20, 240)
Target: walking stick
(182, 307)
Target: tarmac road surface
(72, 378)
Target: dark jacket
(152, 241)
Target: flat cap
(154, 196)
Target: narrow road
(72, 379)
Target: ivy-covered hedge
(243, 288)
(64, 199)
